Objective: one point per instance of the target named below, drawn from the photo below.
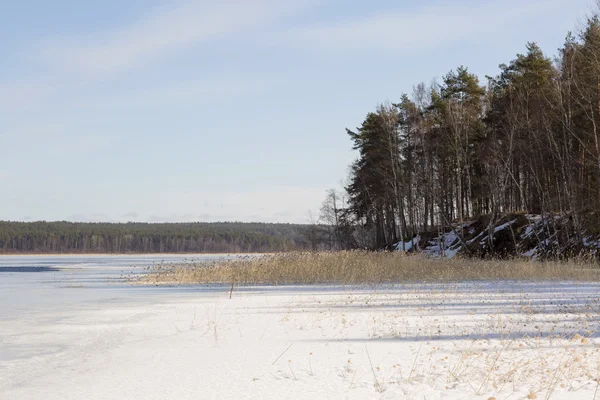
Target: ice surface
(414, 341)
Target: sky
(232, 110)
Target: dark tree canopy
(524, 141)
(69, 237)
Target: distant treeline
(69, 237)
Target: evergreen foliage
(69, 237)
(527, 140)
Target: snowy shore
(470, 340)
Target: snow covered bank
(450, 341)
(532, 236)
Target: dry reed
(361, 267)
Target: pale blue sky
(152, 110)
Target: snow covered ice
(413, 341)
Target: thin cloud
(278, 204)
(424, 28)
(53, 137)
(161, 33)
(179, 94)
(15, 95)
(133, 215)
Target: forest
(69, 237)
(526, 140)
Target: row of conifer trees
(525, 140)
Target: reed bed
(362, 267)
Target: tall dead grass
(361, 267)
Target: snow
(475, 238)
(528, 232)
(497, 229)
(504, 226)
(530, 253)
(433, 247)
(449, 239)
(534, 217)
(591, 242)
(424, 341)
(408, 245)
(411, 341)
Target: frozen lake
(71, 327)
(32, 283)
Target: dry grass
(361, 267)
(522, 341)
